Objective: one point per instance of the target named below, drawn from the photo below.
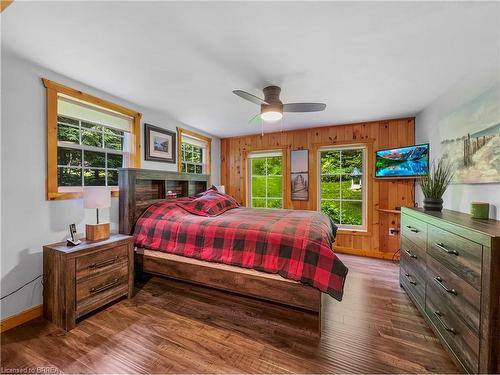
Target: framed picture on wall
(300, 175)
(159, 144)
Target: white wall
(28, 220)
(458, 196)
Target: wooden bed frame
(140, 188)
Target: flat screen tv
(411, 161)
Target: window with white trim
(92, 143)
(342, 187)
(195, 153)
(265, 179)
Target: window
(266, 179)
(342, 187)
(88, 139)
(194, 153)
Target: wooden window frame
(52, 90)
(250, 197)
(189, 133)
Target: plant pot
(433, 204)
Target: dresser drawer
(459, 254)
(105, 281)
(415, 230)
(462, 340)
(412, 254)
(413, 283)
(459, 296)
(103, 261)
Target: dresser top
(489, 227)
(87, 245)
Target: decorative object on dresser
(97, 197)
(159, 144)
(480, 210)
(80, 279)
(450, 268)
(435, 184)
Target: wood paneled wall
(382, 194)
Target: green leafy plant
(440, 176)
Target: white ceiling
(364, 60)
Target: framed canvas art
(159, 144)
(300, 175)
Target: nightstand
(79, 279)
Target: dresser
(450, 268)
(80, 279)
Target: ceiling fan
(271, 107)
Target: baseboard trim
(364, 253)
(22, 317)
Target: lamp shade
(96, 197)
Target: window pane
(67, 120)
(189, 152)
(115, 161)
(68, 134)
(69, 176)
(258, 203)
(258, 167)
(351, 187)
(332, 209)
(190, 168)
(91, 126)
(112, 178)
(259, 186)
(198, 169)
(112, 140)
(94, 177)
(274, 186)
(351, 213)
(352, 161)
(69, 157)
(274, 165)
(330, 162)
(330, 187)
(90, 138)
(197, 152)
(94, 159)
(274, 203)
(184, 168)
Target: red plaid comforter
(297, 245)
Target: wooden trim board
(22, 317)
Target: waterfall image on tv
(411, 161)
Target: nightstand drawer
(103, 261)
(93, 286)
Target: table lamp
(96, 197)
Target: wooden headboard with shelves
(140, 188)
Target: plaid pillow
(211, 203)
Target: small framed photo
(300, 175)
(159, 144)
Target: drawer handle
(440, 282)
(410, 280)
(104, 263)
(414, 230)
(410, 254)
(441, 246)
(439, 316)
(104, 287)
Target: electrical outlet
(393, 231)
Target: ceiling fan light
(271, 116)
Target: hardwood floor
(171, 327)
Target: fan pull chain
(281, 123)
(262, 127)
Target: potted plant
(435, 184)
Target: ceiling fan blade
(303, 107)
(249, 97)
(255, 119)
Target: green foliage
(440, 176)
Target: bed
(282, 256)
